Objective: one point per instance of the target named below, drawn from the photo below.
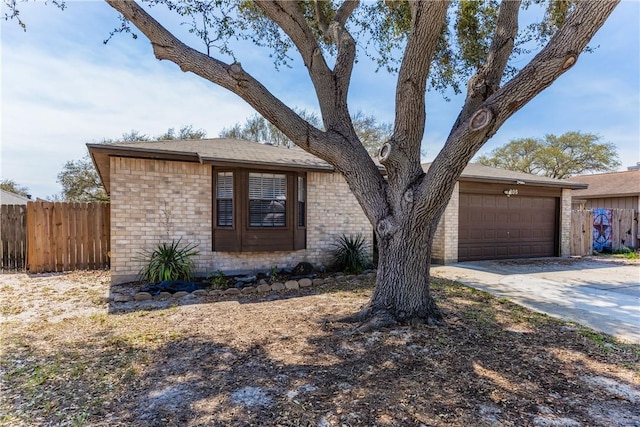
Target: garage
(498, 221)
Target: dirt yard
(69, 357)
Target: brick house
(247, 205)
(253, 206)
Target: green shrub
(273, 274)
(351, 254)
(168, 262)
(218, 280)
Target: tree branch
(401, 154)
(428, 18)
(487, 79)
(357, 167)
(323, 24)
(345, 11)
(545, 68)
(288, 16)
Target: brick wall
(155, 201)
(333, 211)
(445, 241)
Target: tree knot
(408, 196)
(385, 227)
(569, 61)
(385, 151)
(480, 119)
(235, 68)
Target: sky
(62, 87)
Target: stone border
(117, 296)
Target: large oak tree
(434, 42)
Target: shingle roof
(234, 152)
(226, 150)
(612, 184)
(9, 198)
(219, 151)
(478, 172)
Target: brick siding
(445, 241)
(154, 201)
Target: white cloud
(53, 105)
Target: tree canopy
(13, 187)
(80, 182)
(572, 153)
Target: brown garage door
(499, 227)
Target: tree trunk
(402, 292)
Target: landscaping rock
(305, 283)
(142, 296)
(200, 292)
(277, 286)
(302, 269)
(291, 284)
(162, 296)
(318, 282)
(215, 292)
(232, 291)
(248, 290)
(171, 286)
(180, 294)
(122, 298)
(264, 288)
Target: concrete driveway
(601, 294)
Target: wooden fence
(62, 236)
(13, 237)
(622, 231)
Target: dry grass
(281, 361)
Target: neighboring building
(254, 206)
(613, 190)
(9, 198)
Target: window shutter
(301, 201)
(224, 199)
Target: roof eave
(499, 180)
(607, 195)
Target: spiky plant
(169, 261)
(351, 254)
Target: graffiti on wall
(602, 229)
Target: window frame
(233, 199)
(242, 237)
(287, 207)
